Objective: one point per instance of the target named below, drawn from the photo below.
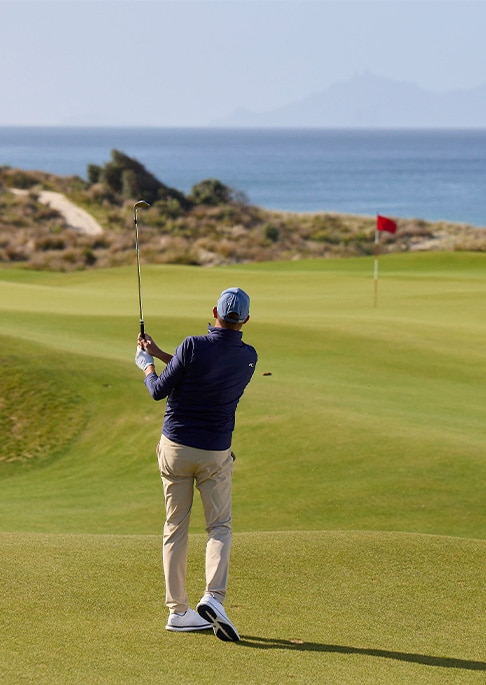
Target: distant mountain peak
(370, 101)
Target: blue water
(431, 175)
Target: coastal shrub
(128, 178)
(93, 173)
(16, 178)
(99, 194)
(271, 232)
(326, 235)
(15, 253)
(129, 182)
(172, 207)
(50, 242)
(100, 243)
(211, 192)
(89, 256)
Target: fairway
(393, 608)
(359, 512)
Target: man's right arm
(148, 343)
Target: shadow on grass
(302, 646)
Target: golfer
(203, 383)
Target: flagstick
(377, 249)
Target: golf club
(138, 205)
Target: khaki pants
(180, 467)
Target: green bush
(130, 188)
(16, 178)
(211, 192)
(172, 207)
(93, 173)
(271, 232)
(128, 178)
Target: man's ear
(247, 319)
(215, 312)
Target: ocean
(427, 174)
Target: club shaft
(137, 248)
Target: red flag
(384, 224)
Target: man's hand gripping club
(147, 349)
(144, 360)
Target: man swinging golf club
(203, 382)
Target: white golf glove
(143, 359)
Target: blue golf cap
(233, 301)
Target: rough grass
(39, 416)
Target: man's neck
(230, 327)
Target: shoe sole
(189, 629)
(222, 629)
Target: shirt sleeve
(160, 387)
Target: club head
(141, 204)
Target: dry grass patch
(37, 236)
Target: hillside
(371, 101)
(60, 223)
(390, 398)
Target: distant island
(370, 101)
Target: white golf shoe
(183, 623)
(212, 611)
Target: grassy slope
(372, 419)
(311, 608)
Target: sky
(191, 62)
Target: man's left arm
(159, 387)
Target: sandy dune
(75, 217)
